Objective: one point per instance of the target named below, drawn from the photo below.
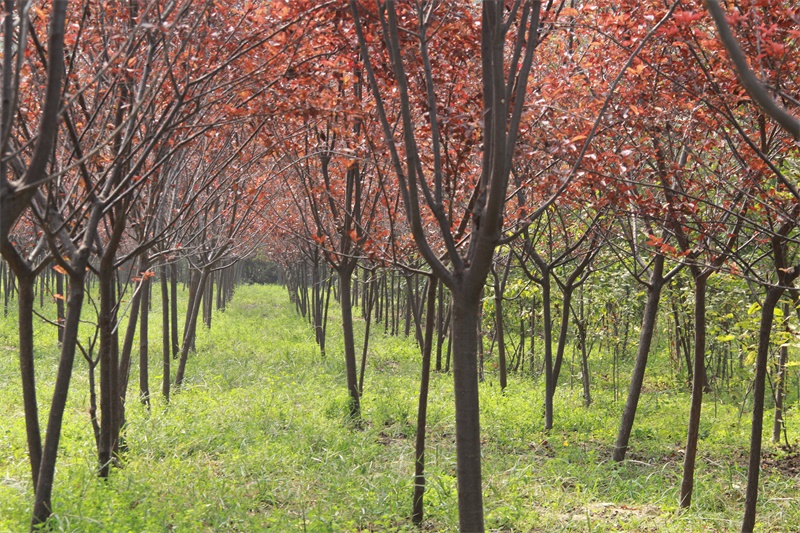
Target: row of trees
(519, 142)
(530, 141)
(126, 147)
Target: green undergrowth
(259, 439)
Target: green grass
(259, 439)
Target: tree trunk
(26, 365)
(165, 348)
(44, 487)
(109, 366)
(549, 384)
(191, 325)
(440, 329)
(345, 301)
(754, 465)
(637, 378)
(687, 485)
(563, 330)
(369, 297)
(498, 324)
(417, 512)
(195, 299)
(466, 311)
(173, 301)
(780, 388)
(144, 341)
(208, 301)
(60, 298)
(127, 344)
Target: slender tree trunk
(345, 301)
(173, 301)
(195, 299)
(144, 340)
(417, 513)
(440, 327)
(562, 333)
(754, 464)
(409, 301)
(165, 348)
(127, 344)
(637, 378)
(368, 298)
(324, 329)
(109, 365)
(60, 298)
(580, 321)
(208, 301)
(780, 388)
(549, 384)
(26, 364)
(44, 488)
(498, 324)
(466, 311)
(692, 434)
(191, 325)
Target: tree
(504, 91)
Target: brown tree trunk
(780, 386)
(549, 384)
(191, 325)
(127, 344)
(637, 378)
(692, 434)
(562, 333)
(499, 328)
(468, 434)
(345, 301)
(44, 487)
(759, 385)
(173, 302)
(440, 328)
(109, 367)
(25, 301)
(369, 298)
(60, 298)
(165, 344)
(144, 340)
(417, 512)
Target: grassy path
(258, 440)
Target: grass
(259, 439)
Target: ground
(259, 439)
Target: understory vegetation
(259, 437)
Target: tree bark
(780, 386)
(44, 487)
(345, 301)
(754, 465)
(468, 439)
(165, 344)
(637, 378)
(25, 303)
(60, 298)
(191, 325)
(417, 512)
(144, 341)
(109, 367)
(127, 344)
(173, 301)
(698, 382)
(549, 384)
(499, 328)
